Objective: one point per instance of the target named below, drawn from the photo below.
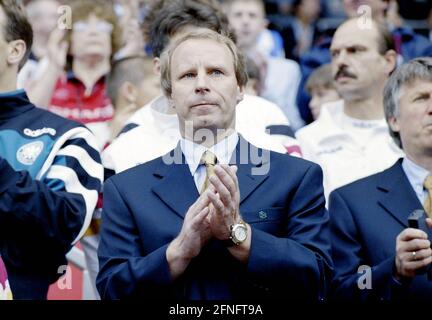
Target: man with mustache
(207, 220)
(408, 43)
(369, 218)
(350, 139)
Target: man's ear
(391, 60)
(16, 51)
(129, 92)
(156, 66)
(240, 93)
(394, 124)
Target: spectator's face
(320, 96)
(43, 16)
(310, 9)
(414, 120)
(204, 85)
(91, 37)
(359, 70)
(247, 20)
(377, 7)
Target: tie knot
(208, 158)
(428, 182)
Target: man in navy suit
(376, 254)
(254, 227)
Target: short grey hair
(419, 68)
(165, 62)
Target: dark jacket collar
(14, 103)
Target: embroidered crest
(29, 152)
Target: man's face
(91, 37)
(414, 120)
(204, 84)
(359, 70)
(43, 16)
(248, 21)
(310, 9)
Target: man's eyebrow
(420, 92)
(216, 66)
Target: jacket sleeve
(350, 282)
(58, 206)
(124, 271)
(301, 260)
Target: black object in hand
(417, 220)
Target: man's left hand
(224, 199)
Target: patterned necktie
(209, 160)
(428, 202)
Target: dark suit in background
(366, 217)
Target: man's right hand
(193, 236)
(57, 49)
(413, 251)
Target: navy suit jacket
(366, 217)
(144, 208)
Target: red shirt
(70, 101)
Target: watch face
(240, 233)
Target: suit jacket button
(262, 215)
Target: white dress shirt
(193, 152)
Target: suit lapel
(177, 188)
(398, 197)
(248, 163)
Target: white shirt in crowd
(347, 149)
(158, 132)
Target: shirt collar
(70, 75)
(10, 94)
(332, 120)
(416, 174)
(223, 151)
